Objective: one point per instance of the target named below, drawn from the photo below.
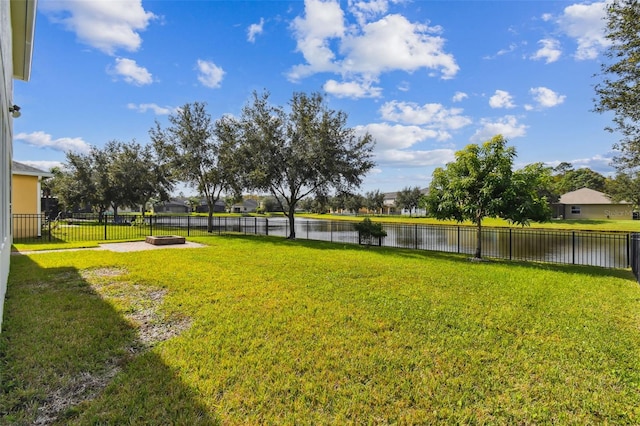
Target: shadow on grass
(67, 356)
(444, 256)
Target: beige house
(25, 199)
(587, 203)
(17, 23)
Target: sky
(424, 78)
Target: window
(575, 209)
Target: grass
(567, 224)
(264, 330)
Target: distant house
(389, 205)
(171, 206)
(203, 207)
(587, 203)
(26, 199)
(246, 206)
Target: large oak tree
(306, 150)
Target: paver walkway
(120, 247)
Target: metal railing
(605, 249)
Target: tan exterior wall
(24, 195)
(600, 211)
(25, 200)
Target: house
(17, 23)
(246, 206)
(171, 206)
(587, 203)
(389, 205)
(26, 199)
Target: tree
(354, 202)
(619, 91)
(196, 152)
(193, 202)
(624, 187)
(308, 150)
(480, 183)
(408, 198)
(374, 201)
(573, 179)
(120, 174)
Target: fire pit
(163, 240)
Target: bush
(369, 231)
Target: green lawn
(261, 330)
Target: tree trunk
(210, 218)
(292, 223)
(478, 254)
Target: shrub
(369, 231)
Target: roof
(587, 196)
(23, 19)
(26, 170)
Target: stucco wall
(600, 211)
(25, 200)
(6, 134)
(24, 195)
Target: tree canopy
(481, 183)
(198, 153)
(118, 175)
(619, 91)
(307, 150)
(408, 198)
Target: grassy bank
(264, 330)
(569, 224)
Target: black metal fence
(605, 249)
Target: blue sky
(425, 78)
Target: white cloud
(131, 72)
(43, 164)
(432, 115)
(546, 98)
(550, 50)
(501, 99)
(157, 110)
(396, 136)
(436, 157)
(323, 21)
(459, 96)
(254, 30)
(506, 126)
(394, 43)
(365, 50)
(586, 24)
(210, 74)
(365, 11)
(43, 140)
(598, 162)
(352, 89)
(105, 25)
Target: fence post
(628, 250)
(266, 226)
(573, 247)
(49, 227)
(151, 225)
(415, 236)
(510, 243)
(188, 226)
(255, 225)
(307, 230)
(105, 227)
(458, 238)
